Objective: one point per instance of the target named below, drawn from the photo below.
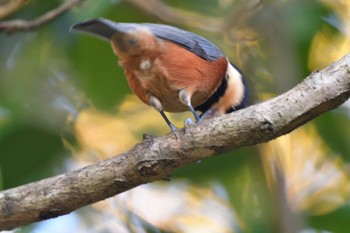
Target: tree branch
(156, 158)
(10, 7)
(13, 26)
(168, 14)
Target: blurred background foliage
(64, 104)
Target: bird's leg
(172, 127)
(185, 98)
(208, 114)
(155, 103)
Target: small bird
(171, 69)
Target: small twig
(241, 15)
(233, 25)
(172, 15)
(11, 7)
(13, 26)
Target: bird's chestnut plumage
(172, 69)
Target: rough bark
(155, 158)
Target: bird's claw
(188, 122)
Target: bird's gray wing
(198, 45)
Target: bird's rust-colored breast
(162, 68)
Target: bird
(171, 69)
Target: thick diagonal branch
(156, 158)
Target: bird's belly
(167, 93)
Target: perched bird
(171, 69)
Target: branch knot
(151, 168)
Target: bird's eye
(227, 76)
